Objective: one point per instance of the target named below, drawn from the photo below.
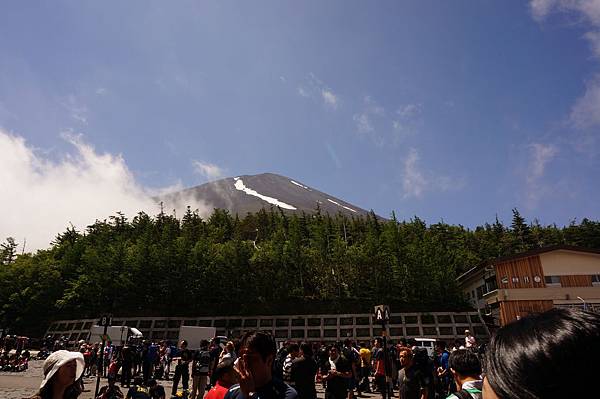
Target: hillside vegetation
(266, 262)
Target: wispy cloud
(407, 120)
(329, 98)
(315, 88)
(539, 156)
(207, 170)
(585, 113)
(363, 123)
(385, 128)
(76, 109)
(413, 181)
(101, 91)
(81, 187)
(416, 181)
(364, 120)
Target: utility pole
(382, 315)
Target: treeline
(267, 262)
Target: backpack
(202, 361)
(350, 355)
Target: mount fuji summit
(251, 193)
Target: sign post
(382, 315)
(105, 321)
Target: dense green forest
(267, 262)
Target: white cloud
(541, 8)
(540, 155)
(589, 9)
(76, 110)
(41, 196)
(101, 91)
(303, 92)
(363, 123)
(409, 110)
(408, 120)
(314, 88)
(585, 112)
(364, 120)
(329, 98)
(413, 181)
(208, 170)
(416, 182)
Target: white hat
(58, 359)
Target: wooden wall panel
(576, 281)
(525, 269)
(509, 310)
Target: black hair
(138, 381)
(204, 344)
(151, 382)
(294, 347)
(465, 362)
(225, 366)
(261, 342)
(549, 355)
(306, 349)
(441, 344)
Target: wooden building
(508, 288)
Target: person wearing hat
(62, 372)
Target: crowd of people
(548, 355)
(14, 356)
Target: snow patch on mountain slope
(300, 185)
(338, 204)
(239, 185)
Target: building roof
(526, 254)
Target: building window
(526, 279)
(504, 280)
(515, 280)
(595, 279)
(480, 292)
(552, 281)
(490, 284)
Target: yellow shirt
(365, 357)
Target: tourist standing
(200, 367)
(182, 369)
(339, 371)
(412, 383)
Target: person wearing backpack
(352, 355)
(466, 369)
(200, 367)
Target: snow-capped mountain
(250, 193)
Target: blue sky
(446, 110)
